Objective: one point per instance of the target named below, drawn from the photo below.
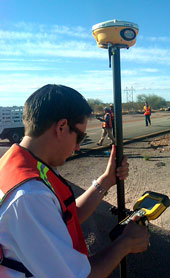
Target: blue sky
(50, 41)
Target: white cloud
(159, 39)
(149, 70)
(146, 55)
(33, 55)
(63, 41)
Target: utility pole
(129, 96)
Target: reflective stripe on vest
(1, 195)
(43, 173)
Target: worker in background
(106, 127)
(147, 113)
(111, 110)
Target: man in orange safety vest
(106, 127)
(40, 232)
(147, 113)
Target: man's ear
(61, 126)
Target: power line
(129, 94)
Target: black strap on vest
(14, 265)
(69, 200)
(19, 266)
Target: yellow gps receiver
(149, 207)
(114, 32)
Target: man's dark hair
(50, 104)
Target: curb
(125, 142)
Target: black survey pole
(114, 57)
(113, 35)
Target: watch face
(128, 34)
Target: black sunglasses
(80, 134)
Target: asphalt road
(133, 127)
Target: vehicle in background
(11, 126)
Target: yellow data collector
(153, 204)
(148, 207)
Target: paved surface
(133, 127)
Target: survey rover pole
(115, 54)
(113, 35)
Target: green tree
(154, 101)
(141, 98)
(96, 104)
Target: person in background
(106, 127)
(111, 110)
(147, 113)
(40, 234)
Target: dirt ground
(149, 169)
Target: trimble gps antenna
(114, 35)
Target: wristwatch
(100, 189)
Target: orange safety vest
(107, 124)
(18, 166)
(147, 110)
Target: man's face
(71, 140)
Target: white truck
(11, 126)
